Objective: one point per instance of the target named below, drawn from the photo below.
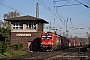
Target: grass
(12, 53)
(18, 53)
(2, 56)
(88, 58)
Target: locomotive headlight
(43, 43)
(50, 43)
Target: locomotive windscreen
(46, 36)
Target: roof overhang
(26, 18)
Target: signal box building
(25, 29)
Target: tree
(11, 14)
(1, 24)
(7, 25)
(4, 39)
(5, 33)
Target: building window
(17, 26)
(31, 25)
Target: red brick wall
(24, 39)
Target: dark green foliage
(4, 39)
(5, 33)
(18, 46)
(12, 54)
(3, 47)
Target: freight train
(52, 41)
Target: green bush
(3, 47)
(88, 58)
(7, 54)
(18, 46)
(4, 39)
(12, 53)
(2, 56)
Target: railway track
(70, 54)
(39, 56)
(64, 55)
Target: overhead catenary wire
(10, 7)
(82, 4)
(60, 16)
(80, 13)
(65, 22)
(60, 0)
(71, 5)
(66, 4)
(62, 5)
(50, 10)
(57, 11)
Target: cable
(65, 22)
(50, 10)
(83, 4)
(60, 0)
(66, 3)
(79, 13)
(48, 7)
(61, 15)
(57, 11)
(10, 8)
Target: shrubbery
(18, 46)
(3, 47)
(13, 53)
(4, 39)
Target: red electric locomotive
(51, 41)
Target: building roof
(26, 18)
